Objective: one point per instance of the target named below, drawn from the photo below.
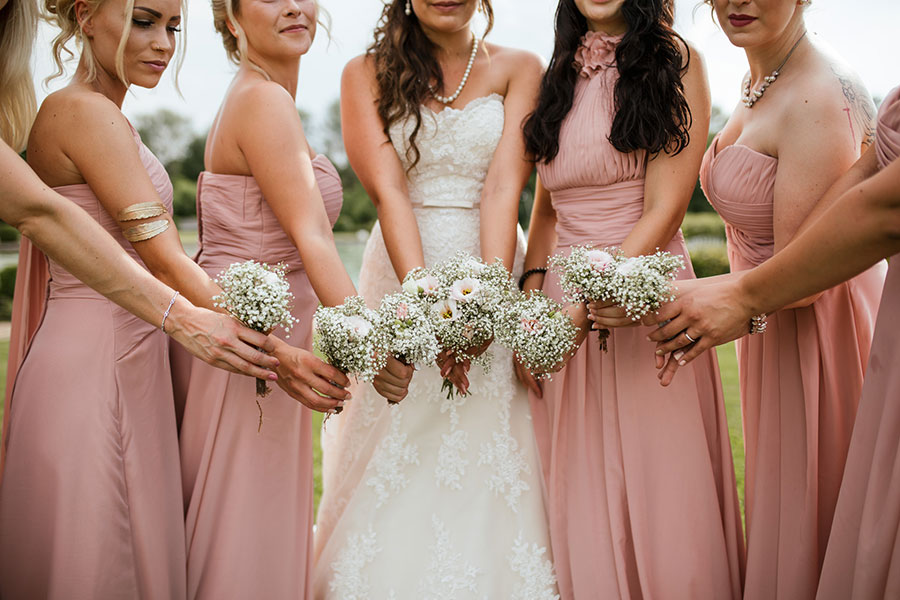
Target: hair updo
(18, 25)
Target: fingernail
(649, 339)
(682, 363)
(277, 363)
(658, 352)
(678, 355)
(273, 377)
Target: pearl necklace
(462, 84)
(750, 99)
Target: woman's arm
(859, 229)
(103, 150)
(271, 138)
(671, 178)
(73, 239)
(541, 236)
(375, 162)
(510, 166)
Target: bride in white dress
(435, 497)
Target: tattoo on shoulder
(859, 108)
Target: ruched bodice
(237, 224)
(456, 148)
(740, 184)
(597, 191)
(887, 135)
(63, 283)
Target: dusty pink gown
(640, 480)
(862, 561)
(90, 502)
(248, 494)
(800, 383)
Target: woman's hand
(606, 315)
(305, 378)
(392, 383)
(219, 340)
(455, 372)
(527, 379)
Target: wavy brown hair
(652, 113)
(405, 67)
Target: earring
(408, 9)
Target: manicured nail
(277, 363)
(273, 377)
(682, 363)
(678, 355)
(658, 352)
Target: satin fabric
(248, 494)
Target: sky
(863, 32)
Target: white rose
(411, 286)
(358, 325)
(599, 259)
(628, 266)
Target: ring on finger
(690, 339)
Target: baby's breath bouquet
(259, 296)
(462, 296)
(638, 284)
(408, 329)
(348, 338)
(537, 330)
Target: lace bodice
(444, 175)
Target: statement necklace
(462, 84)
(749, 98)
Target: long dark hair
(651, 112)
(405, 66)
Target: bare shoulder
(76, 110)
(832, 93)
(259, 98)
(516, 61)
(359, 72)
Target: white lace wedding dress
(436, 498)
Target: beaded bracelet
(758, 324)
(528, 274)
(166, 314)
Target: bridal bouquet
(349, 339)
(537, 330)
(409, 332)
(259, 296)
(639, 284)
(462, 296)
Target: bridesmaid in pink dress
(248, 487)
(640, 481)
(89, 503)
(862, 561)
(853, 227)
(801, 380)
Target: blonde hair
(62, 14)
(18, 25)
(224, 12)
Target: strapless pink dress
(90, 503)
(863, 557)
(248, 494)
(800, 383)
(640, 480)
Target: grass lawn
(727, 364)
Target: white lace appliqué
(507, 462)
(451, 466)
(348, 581)
(528, 562)
(447, 572)
(391, 457)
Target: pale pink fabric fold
(800, 383)
(640, 482)
(863, 557)
(90, 499)
(249, 495)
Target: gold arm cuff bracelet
(141, 210)
(145, 231)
